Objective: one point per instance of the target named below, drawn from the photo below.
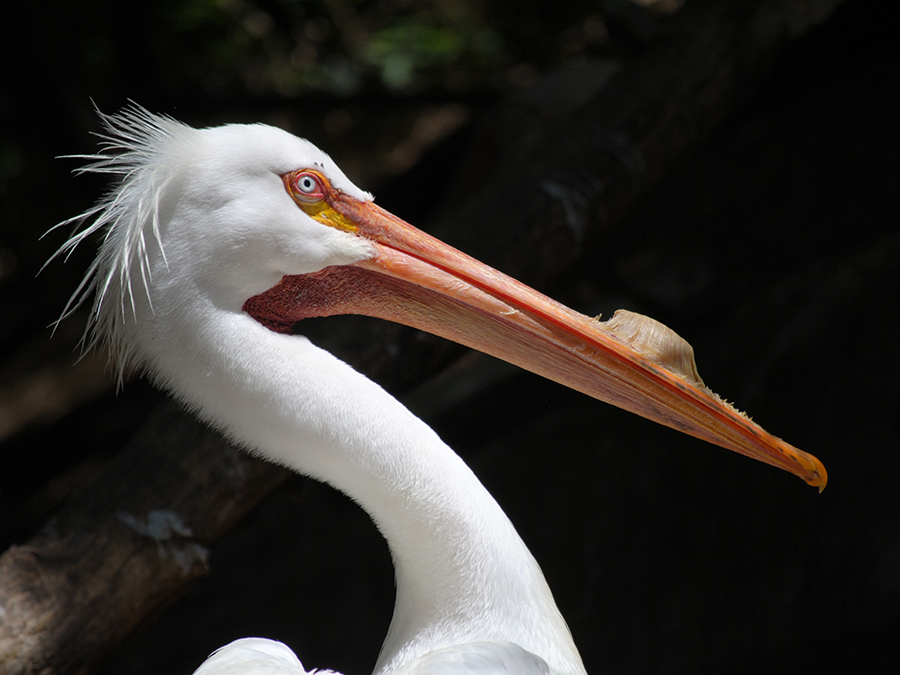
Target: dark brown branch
(126, 544)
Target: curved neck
(463, 574)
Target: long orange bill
(630, 361)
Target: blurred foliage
(348, 47)
(343, 47)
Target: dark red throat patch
(343, 289)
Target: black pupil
(307, 184)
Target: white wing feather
(258, 656)
(478, 658)
(255, 656)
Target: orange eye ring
(306, 186)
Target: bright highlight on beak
(630, 360)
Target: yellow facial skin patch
(313, 193)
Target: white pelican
(218, 240)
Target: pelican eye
(307, 186)
(312, 192)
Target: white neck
(463, 573)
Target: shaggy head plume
(138, 147)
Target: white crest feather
(138, 146)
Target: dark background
(773, 248)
